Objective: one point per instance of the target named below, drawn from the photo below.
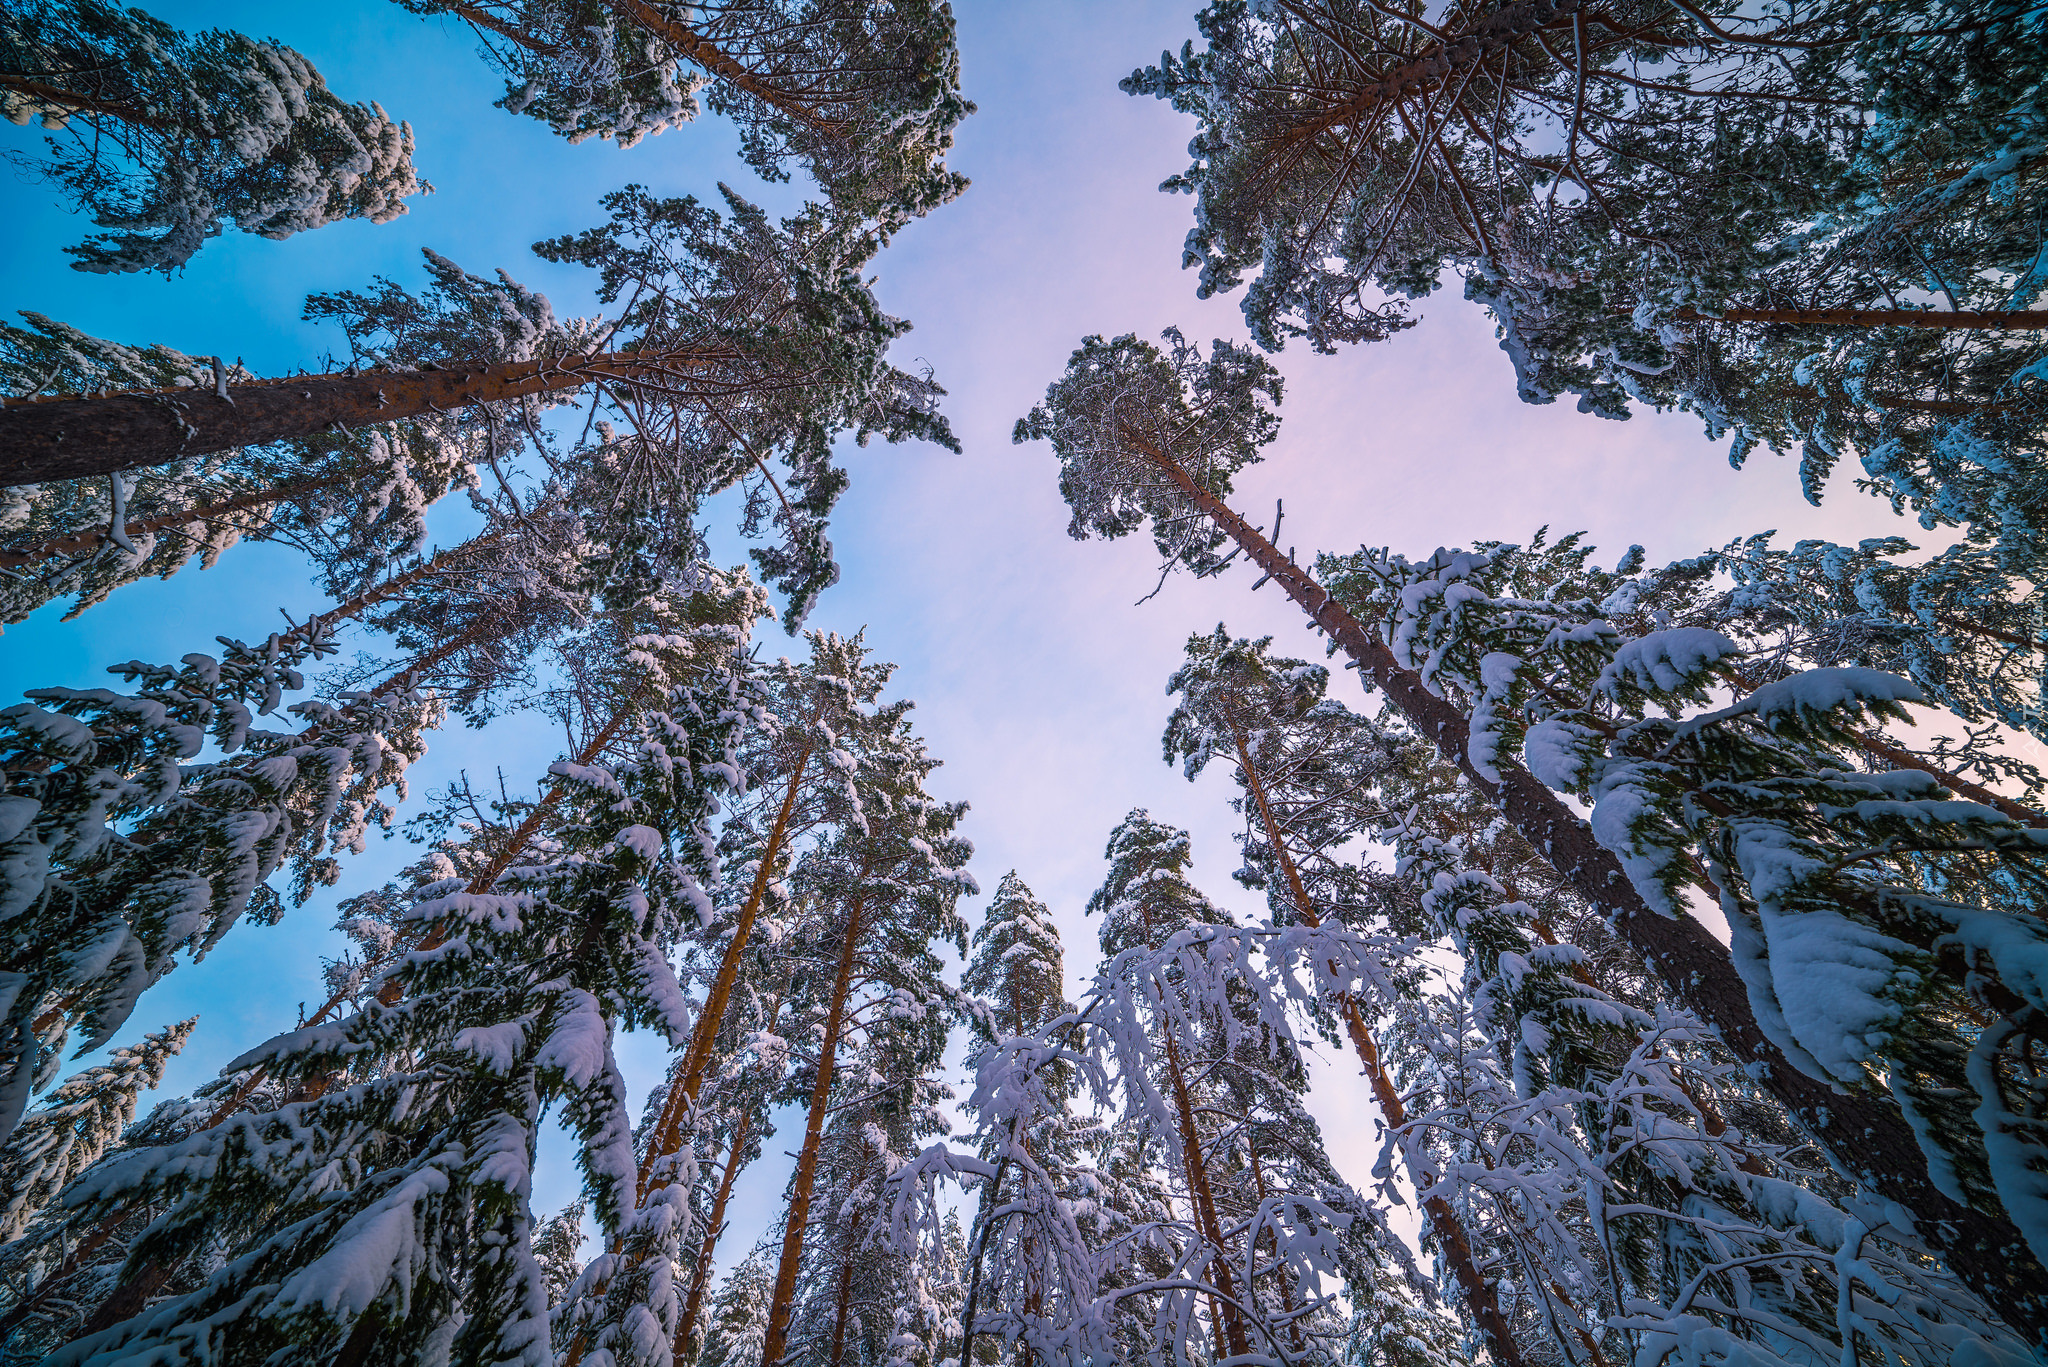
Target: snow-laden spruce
(385, 1205)
(164, 138)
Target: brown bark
(2011, 638)
(700, 1271)
(78, 103)
(704, 1035)
(1205, 1204)
(781, 1304)
(1223, 1317)
(2010, 320)
(845, 1296)
(699, 49)
(1439, 62)
(1863, 1134)
(1481, 1297)
(76, 436)
(77, 543)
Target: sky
(1039, 680)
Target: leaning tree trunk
(682, 1097)
(1863, 1135)
(1205, 1204)
(781, 1306)
(701, 50)
(76, 436)
(2008, 320)
(1481, 1297)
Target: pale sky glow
(1038, 682)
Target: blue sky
(1038, 681)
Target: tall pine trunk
(77, 436)
(704, 1035)
(1865, 1136)
(708, 55)
(845, 1294)
(781, 1306)
(1481, 1297)
(2010, 320)
(1204, 1197)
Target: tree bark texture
(78, 436)
(1481, 1297)
(700, 1271)
(704, 1035)
(2011, 320)
(782, 1305)
(693, 45)
(1205, 1204)
(1865, 1136)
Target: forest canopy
(1630, 957)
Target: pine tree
(1143, 436)
(819, 724)
(354, 498)
(1015, 1279)
(772, 325)
(862, 96)
(882, 891)
(1271, 717)
(176, 135)
(1729, 213)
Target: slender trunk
(1205, 1204)
(2009, 320)
(2011, 638)
(1481, 1298)
(91, 539)
(700, 1272)
(76, 436)
(1437, 64)
(1287, 1305)
(781, 1305)
(77, 103)
(845, 1295)
(704, 1035)
(1864, 1135)
(699, 49)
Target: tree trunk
(704, 1035)
(693, 45)
(2010, 320)
(1865, 1136)
(781, 1305)
(845, 1295)
(75, 543)
(1205, 1204)
(1481, 1297)
(75, 436)
(1437, 64)
(79, 103)
(700, 1271)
